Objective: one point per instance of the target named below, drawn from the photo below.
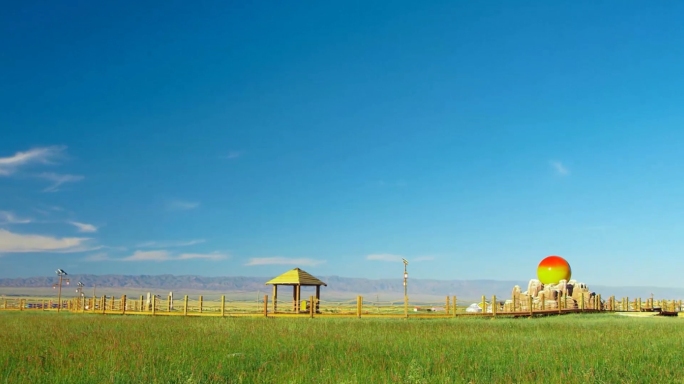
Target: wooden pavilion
(296, 278)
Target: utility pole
(405, 288)
(61, 273)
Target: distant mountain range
(337, 286)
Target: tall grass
(66, 348)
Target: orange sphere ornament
(553, 269)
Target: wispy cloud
(19, 243)
(42, 155)
(158, 256)
(169, 244)
(58, 180)
(83, 227)
(560, 168)
(384, 257)
(9, 218)
(206, 256)
(181, 205)
(234, 154)
(283, 261)
(148, 256)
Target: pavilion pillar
(299, 295)
(318, 298)
(294, 298)
(275, 297)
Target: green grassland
(39, 347)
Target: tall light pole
(61, 273)
(405, 287)
(81, 295)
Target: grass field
(41, 347)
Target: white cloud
(18, 243)
(169, 244)
(9, 218)
(180, 205)
(158, 256)
(385, 257)
(234, 154)
(283, 261)
(42, 155)
(58, 179)
(560, 168)
(83, 227)
(148, 256)
(208, 256)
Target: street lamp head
(405, 261)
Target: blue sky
(233, 138)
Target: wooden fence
(353, 308)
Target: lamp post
(61, 273)
(81, 295)
(405, 287)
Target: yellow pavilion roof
(296, 276)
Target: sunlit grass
(70, 348)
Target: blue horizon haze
(234, 139)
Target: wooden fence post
(223, 305)
(529, 305)
(123, 304)
(312, 306)
(455, 306)
(515, 304)
(494, 305)
(359, 305)
(266, 306)
(104, 303)
(185, 305)
(154, 304)
(201, 301)
(484, 304)
(446, 308)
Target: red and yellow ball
(553, 269)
